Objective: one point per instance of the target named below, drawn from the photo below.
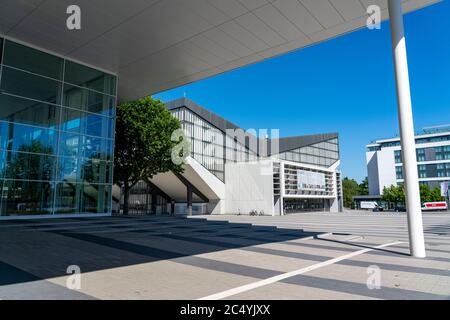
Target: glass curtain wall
(56, 134)
(210, 146)
(322, 154)
(207, 142)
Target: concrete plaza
(224, 257)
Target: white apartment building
(385, 165)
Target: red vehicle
(434, 206)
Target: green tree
(143, 146)
(425, 193)
(394, 194)
(350, 189)
(435, 195)
(364, 187)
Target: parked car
(400, 208)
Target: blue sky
(344, 85)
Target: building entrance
(305, 205)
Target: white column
(189, 201)
(411, 178)
(282, 188)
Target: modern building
(59, 85)
(56, 134)
(227, 173)
(385, 164)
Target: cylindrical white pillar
(407, 139)
(282, 187)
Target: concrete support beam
(282, 187)
(189, 201)
(407, 138)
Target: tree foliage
(364, 187)
(429, 195)
(396, 194)
(350, 189)
(143, 144)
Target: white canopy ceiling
(155, 45)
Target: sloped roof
(289, 143)
(217, 121)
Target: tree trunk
(126, 198)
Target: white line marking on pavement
(257, 284)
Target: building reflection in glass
(56, 134)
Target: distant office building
(384, 160)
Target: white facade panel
(372, 172)
(249, 187)
(386, 168)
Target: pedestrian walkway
(159, 257)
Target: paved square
(224, 257)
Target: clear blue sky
(344, 85)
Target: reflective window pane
(69, 144)
(82, 198)
(26, 58)
(30, 86)
(87, 100)
(27, 111)
(96, 171)
(17, 137)
(86, 123)
(2, 165)
(26, 198)
(29, 166)
(71, 120)
(68, 169)
(4, 136)
(56, 138)
(95, 125)
(89, 78)
(1, 50)
(68, 198)
(95, 198)
(96, 148)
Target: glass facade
(56, 134)
(210, 146)
(322, 154)
(432, 170)
(398, 156)
(305, 205)
(427, 154)
(399, 173)
(431, 174)
(214, 148)
(144, 200)
(442, 138)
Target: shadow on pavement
(31, 250)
